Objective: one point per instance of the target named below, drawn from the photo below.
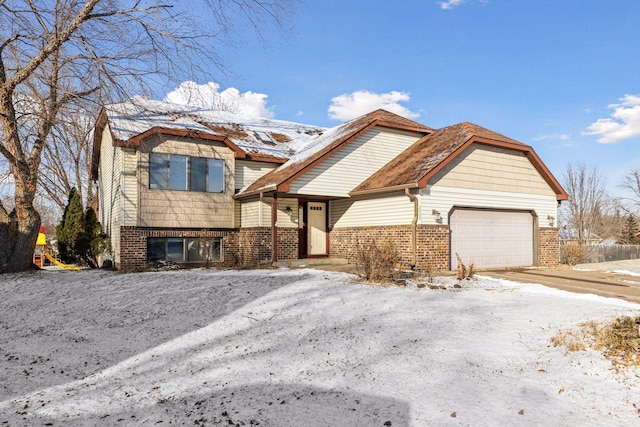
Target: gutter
(414, 227)
(264, 189)
(384, 189)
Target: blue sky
(549, 73)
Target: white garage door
(491, 239)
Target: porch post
(274, 228)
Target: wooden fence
(603, 253)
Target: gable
(419, 164)
(327, 145)
(341, 172)
(484, 167)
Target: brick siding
(432, 248)
(548, 247)
(287, 243)
(133, 245)
(240, 247)
(133, 249)
(252, 246)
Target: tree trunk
(19, 230)
(18, 235)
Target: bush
(465, 272)
(79, 234)
(377, 263)
(572, 254)
(618, 340)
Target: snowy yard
(299, 348)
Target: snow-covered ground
(299, 348)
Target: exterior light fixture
(551, 219)
(436, 214)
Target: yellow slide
(59, 264)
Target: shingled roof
(417, 164)
(322, 147)
(258, 139)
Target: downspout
(414, 228)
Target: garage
(492, 238)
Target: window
(198, 176)
(216, 176)
(184, 249)
(264, 137)
(158, 171)
(173, 172)
(178, 172)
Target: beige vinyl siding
(254, 213)
(384, 209)
(443, 199)
(247, 172)
(343, 171)
(495, 169)
(237, 214)
(129, 187)
(188, 209)
(110, 197)
(257, 213)
(289, 218)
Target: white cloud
(208, 96)
(450, 4)
(563, 138)
(348, 106)
(624, 122)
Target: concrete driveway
(606, 284)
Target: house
(567, 234)
(200, 186)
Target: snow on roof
(274, 177)
(331, 139)
(274, 138)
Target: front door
(317, 228)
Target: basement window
(177, 249)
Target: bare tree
(54, 54)
(66, 161)
(588, 200)
(632, 183)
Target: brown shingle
(414, 166)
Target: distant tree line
(593, 211)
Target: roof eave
(134, 142)
(265, 189)
(384, 189)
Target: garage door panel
(492, 239)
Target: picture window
(184, 173)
